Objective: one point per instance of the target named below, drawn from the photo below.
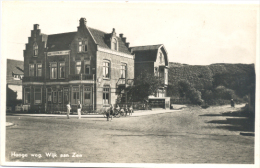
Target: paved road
(193, 135)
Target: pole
(93, 91)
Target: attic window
(83, 45)
(35, 49)
(114, 44)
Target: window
(39, 70)
(166, 76)
(27, 96)
(83, 46)
(106, 91)
(156, 71)
(87, 69)
(54, 97)
(114, 44)
(161, 58)
(49, 95)
(35, 49)
(87, 95)
(75, 95)
(78, 67)
(123, 71)
(37, 96)
(62, 70)
(66, 95)
(31, 69)
(53, 70)
(60, 97)
(106, 69)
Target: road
(193, 135)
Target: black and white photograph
(130, 84)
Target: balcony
(81, 77)
(33, 79)
(125, 82)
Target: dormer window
(161, 59)
(114, 44)
(83, 46)
(35, 49)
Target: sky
(195, 34)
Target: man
(79, 107)
(68, 110)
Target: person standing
(79, 107)
(68, 110)
(131, 110)
(126, 110)
(232, 103)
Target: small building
(154, 60)
(14, 76)
(87, 65)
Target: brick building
(87, 65)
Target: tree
(188, 91)
(145, 84)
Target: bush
(221, 92)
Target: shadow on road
(235, 121)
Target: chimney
(124, 39)
(127, 45)
(82, 22)
(35, 27)
(121, 35)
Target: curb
(247, 133)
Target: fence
(180, 101)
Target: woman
(68, 110)
(79, 107)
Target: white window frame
(35, 50)
(60, 70)
(123, 70)
(106, 91)
(106, 66)
(76, 65)
(31, 73)
(38, 69)
(26, 101)
(82, 45)
(40, 95)
(53, 63)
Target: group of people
(109, 112)
(79, 107)
(117, 111)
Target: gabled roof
(100, 38)
(58, 42)
(147, 53)
(16, 67)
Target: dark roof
(146, 53)
(16, 67)
(57, 42)
(100, 38)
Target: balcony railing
(33, 79)
(125, 82)
(81, 77)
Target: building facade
(14, 78)
(87, 65)
(154, 60)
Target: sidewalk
(135, 114)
